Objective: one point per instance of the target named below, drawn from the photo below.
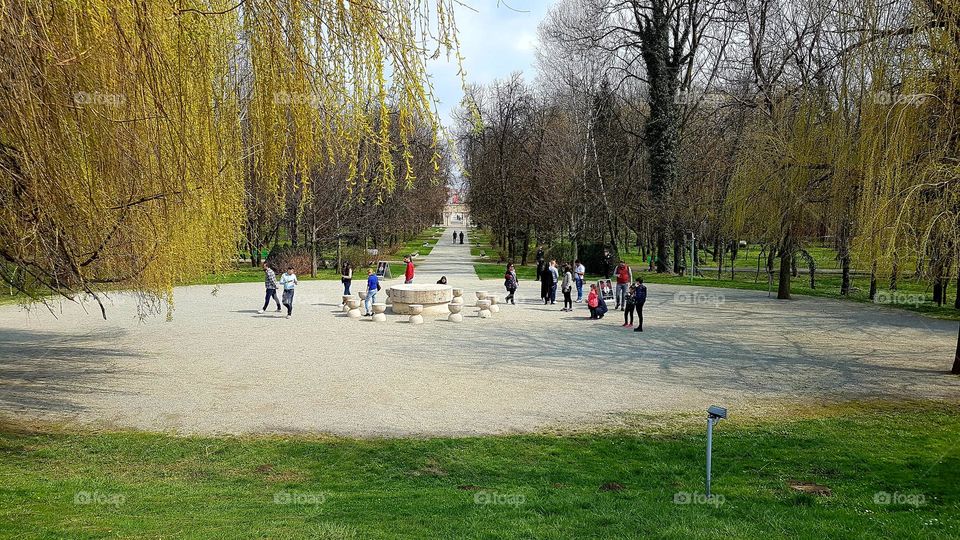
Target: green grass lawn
(58, 484)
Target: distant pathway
(219, 367)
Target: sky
(495, 40)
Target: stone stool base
(455, 317)
(416, 319)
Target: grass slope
(623, 485)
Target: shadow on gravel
(38, 370)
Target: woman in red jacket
(593, 300)
(408, 274)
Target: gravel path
(219, 367)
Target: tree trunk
(956, 357)
(786, 257)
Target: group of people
(289, 283)
(631, 294)
(457, 235)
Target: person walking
(270, 280)
(554, 280)
(461, 237)
(579, 272)
(567, 288)
(593, 301)
(454, 237)
(408, 273)
(373, 285)
(346, 277)
(629, 302)
(289, 282)
(624, 277)
(510, 283)
(640, 294)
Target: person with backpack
(289, 282)
(511, 283)
(270, 280)
(640, 296)
(373, 286)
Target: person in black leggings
(629, 302)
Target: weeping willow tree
(911, 197)
(130, 131)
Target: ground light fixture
(714, 414)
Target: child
(629, 301)
(289, 282)
(593, 300)
(373, 285)
(408, 273)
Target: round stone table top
(432, 296)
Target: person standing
(554, 280)
(270, 280)
(539, 262)
(510, 283)
(629, 302)
(346, 277)
(454, 237)
(593, 301)
(461, 237)
(546, 279)
(567, 288)
(408, 273)
(373, 285)
(607, 263)
(579, 272)
(624, 277)
(289, 282)
(640, 293)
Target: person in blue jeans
(289, 282)
(578, 271)
(270, 279)
(373, 285)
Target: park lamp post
(714, 414)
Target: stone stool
(354, 304)
(362, 294)
(416, 310)
(480, 296)
(484, 306)
(455, 315)
(494, 306)
(346, 299)
(378, 312)
(457, 296)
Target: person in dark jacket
(546, 285)
(640, 295)
(461, 237)
(510, 283)
(454, 237)
(540, 262)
